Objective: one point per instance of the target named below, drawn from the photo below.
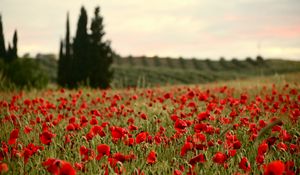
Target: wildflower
(103, 149)
(46, 137)
(220, 158)
(13, 136)
(244, 164)
(151, 159)
(274, 168)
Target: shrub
(26, 73)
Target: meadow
(248, 126)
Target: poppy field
(249, 127)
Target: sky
(174, 28)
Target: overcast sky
(187, 28)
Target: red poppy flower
(79, 166)
(70, 127)
(141, 137)
(186, 147)
(220, 158)
(67, 169)
(262, 149)
(232, 152)
(180, 125)
(274, 168)
(59, 167)
(97, 129)
(13, 136)
(203, 115)
(244, 164)
(199, 138)
(282, 146)
(177, 172)
(151, 159)
(3, 167)
(46, 137)
(102, 149)
(200, 158)
(87, 154)
(129, 142)
(30, 150)
(93, 121)
(117, 132)
(143, 116)
(260, 159)
(27, 129)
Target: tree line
(86, 60)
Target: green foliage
(182, 63)
(144, 61)
(238, 64)
(24, 74)
(197, 65)
(251, 61)
(157, 62)
(170, 62)
(210, 64)
(130, 60)
(260, 61)
(224, 63)
(117, 59)
(49, 66)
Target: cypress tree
(67, 57)
(101, 54)
(15, 46)
(68, 44)
(61, 78)
(9, 53)
(2, 41)
(80, 49)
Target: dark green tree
(61, 73)
(67, 66)
(260, 60)
(101, 54)
(65, 59)
(15, 46)
(68, 42)
(79, 65)
(12, 51)
(9, 54)
(2, 41)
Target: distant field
(196, 71)
(152, 71)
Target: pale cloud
(188, 28)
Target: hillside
(151, 71)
